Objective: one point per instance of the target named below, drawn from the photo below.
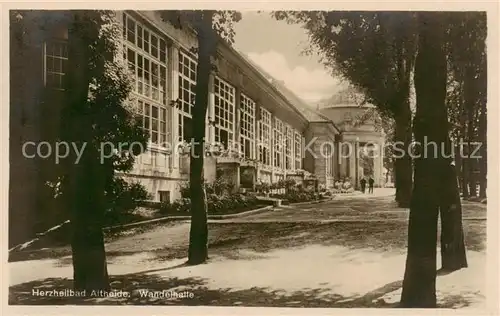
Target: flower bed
(220, 201)
(343, 184)
(289, 192)
(217, 205)
(341, 191)
(298, 197)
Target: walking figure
(370, 184)
(362, 182)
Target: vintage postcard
(296, 158)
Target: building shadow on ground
(230, 239)
(201, 295)
(263, 237)
(138, 285)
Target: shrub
(217, 204)
(281, 184)
(322, 188)
(230, 203)
(301, 188)
(263, 187)
(219, 186)
(181, 206)
(165, 207)
(290, 183)
(214, 202)
(184, 190)
(122, 199)
(297, 197)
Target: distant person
(370, 185)
(362, 182)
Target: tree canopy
(373, 50)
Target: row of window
(187, 85)
(144, 39)
(224, 99)
(56, 58)
(278, 143)
(150, 76)
(286, 143)
(224, 105)
(154, 120)
(146, 55)
(247, 126)
(265, 137)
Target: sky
(276, 47)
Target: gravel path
(347, 253)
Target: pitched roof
(308, 112)
(347, 97)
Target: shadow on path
(138, 285)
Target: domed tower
(359, 123)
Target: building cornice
(233, 57)
(330, 124)
(257, 77)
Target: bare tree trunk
(465, 173)
(472, 174)
(462, 162)
(89, 257)
(85, 179)
(483, 161)
(483, 130)
(403, 127)
(419, 284)
(198, 235)
(453, 256)
(483, 122)
(458, 162)
(469, 97)
(403, 165)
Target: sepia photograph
(249, 158)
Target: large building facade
(246, 113)
(361, 133)
(264, 123)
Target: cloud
(309, 84)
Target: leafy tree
(470, 84)
(122, 197)
(466, 47)
(97, 111)
(458, 124)
(24, 31)
(212, 28)
(375, 52)
(435, 190)
(419, 285)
